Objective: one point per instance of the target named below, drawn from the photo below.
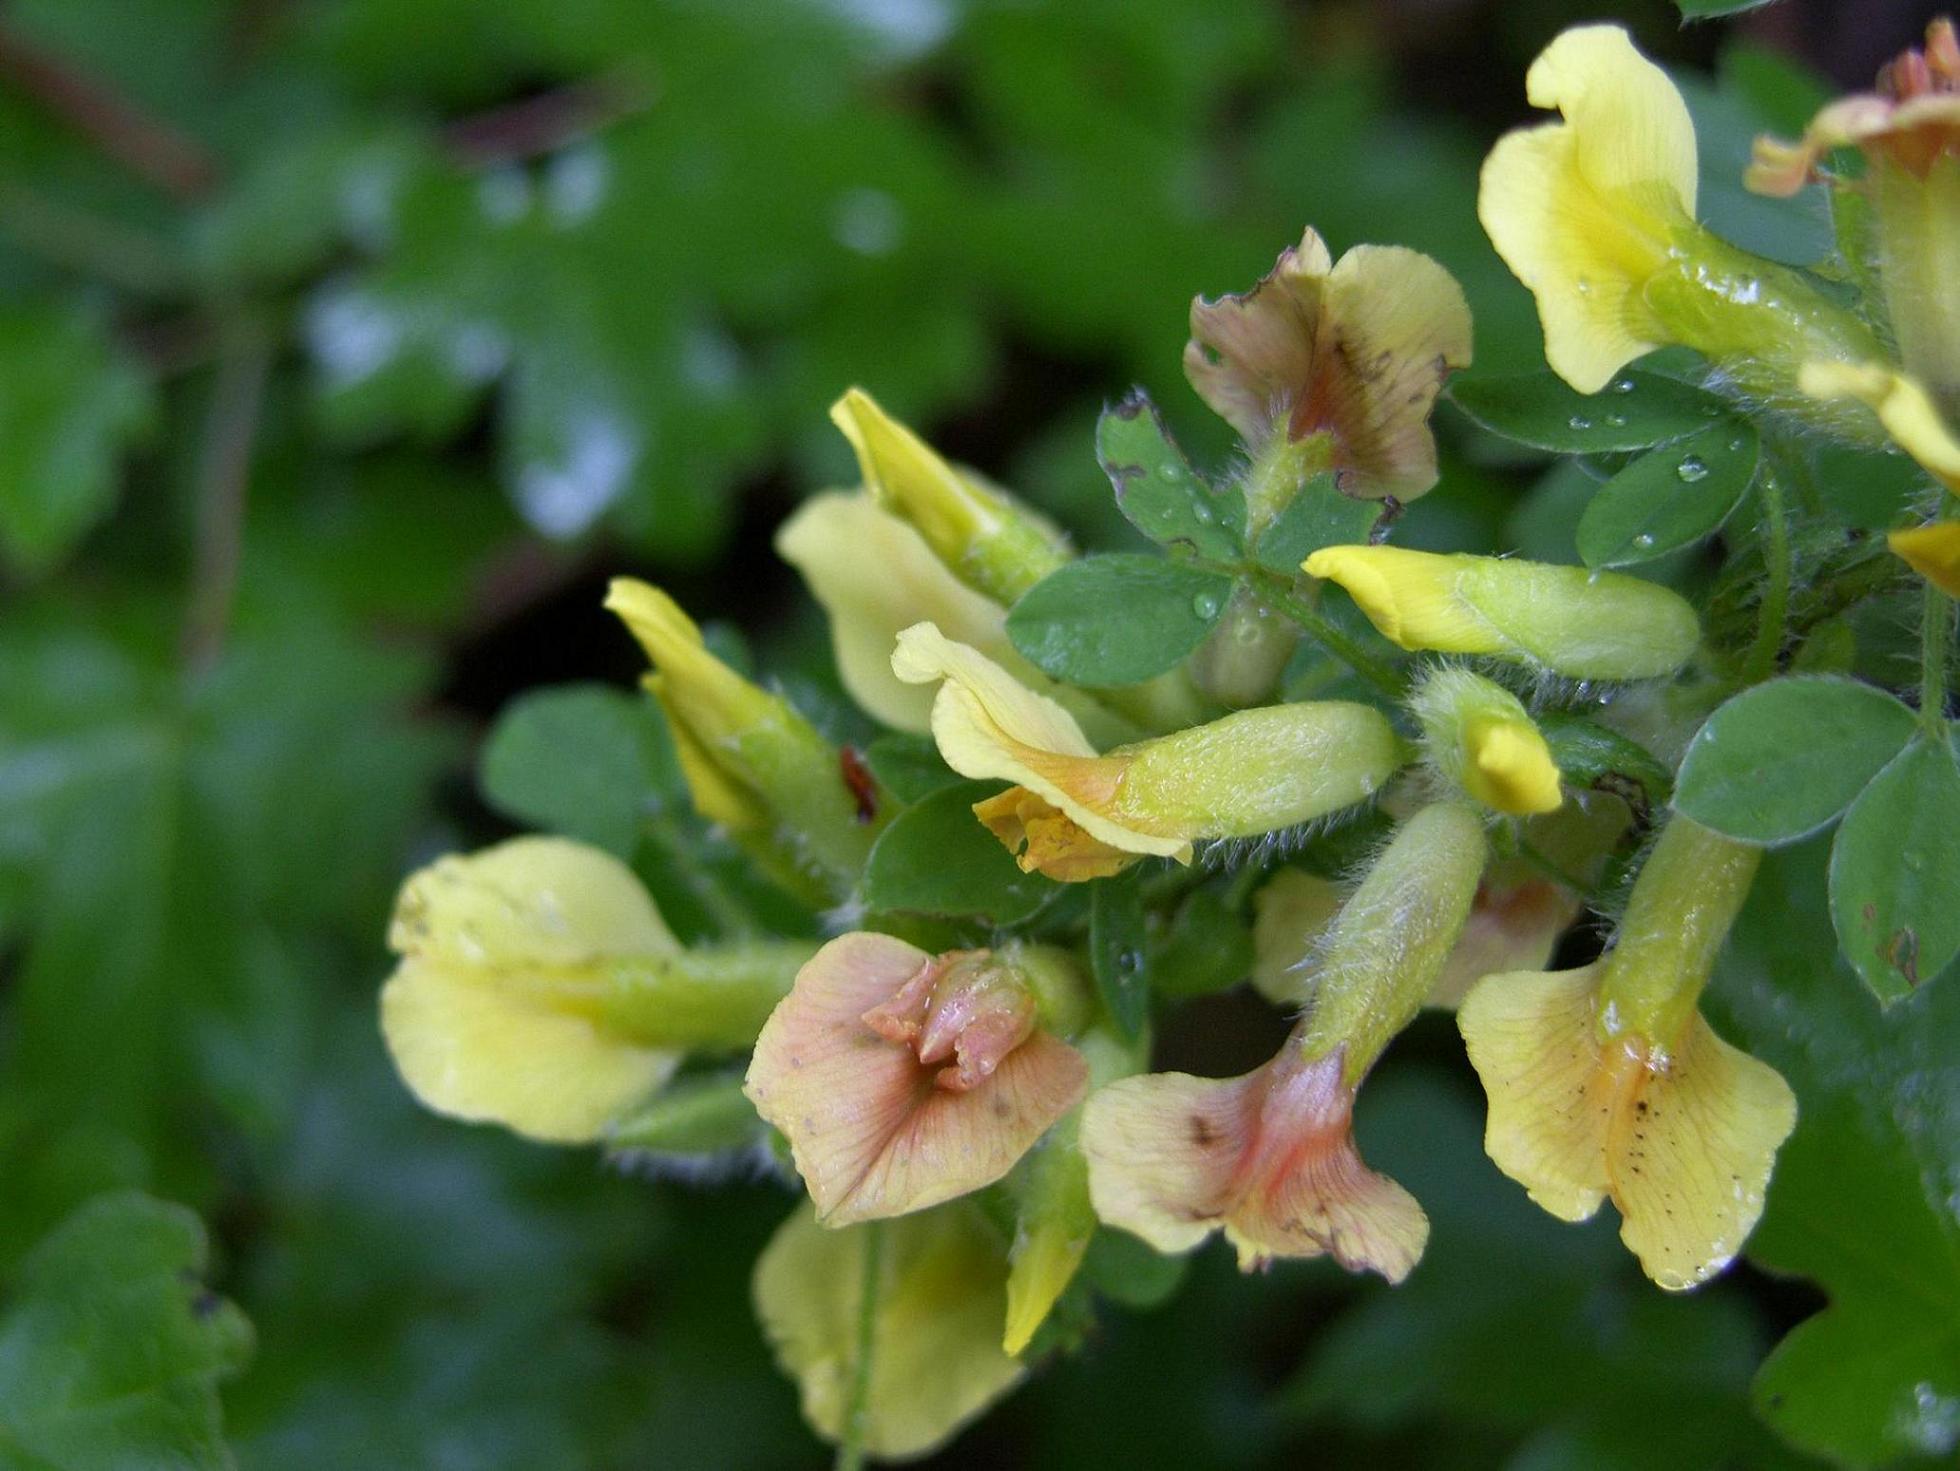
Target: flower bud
(1606, 1080)
(1478, 737)
(994, 546)
(1931, 551)
(538, 988)
(751, 761)
(1270, 1157)
(903, 1079)
(1080, 815)
(1564, 620)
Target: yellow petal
(1931, 551)
(980, 534)
(1269, 1158)
(871, 1134)
(989, 725)
(1532, 1039)
(936, 1359)
(874, 576)
(1044, 839)
(1054, 1224)
(1690, 1156)
(472, 1032)
(1582, 210)
(1903, 406)
(1510, 768)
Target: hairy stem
(1761, 662)
(850, 1452)
(1935, 649)
(1280, 596)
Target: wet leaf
(1116, 619)
(1670, 497)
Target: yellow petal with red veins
(1269, 1158)
(873, 1130)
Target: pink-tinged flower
(1356, 350)
(1269, 1158)
(902, 1079)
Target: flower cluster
(962, 1083)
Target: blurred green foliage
(344, 342)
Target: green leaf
(112, 1349)
(1116, 619)
(69, 404)
(1895, 872)
(1319, 516)
(1781, 760)
(1590, 755)
(1670, 498)
(936, 858)
(1158, 491)
(1206, 947)
(908, 765)
(1119, 950)
(1636, 410)
(582, 760)
(1708, 9)
(1862, 1197)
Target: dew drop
(1617, 420)
(1580, 421)
(1644, 540)
(1202, 513)
(1623, 385)
(1691, 468)
(1129, 962)
(1205, 605)
(1737, 443)
(1583, 286)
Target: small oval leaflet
(1116, 619)
(1670, 497)
(1635, 411)
(1781, 760)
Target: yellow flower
(992, 544)
(1596, 215)
(752, 763)
(1355, 350)
(538, 988)
(1606, 1082)
(1083, 815)
(1903, 407)
(1480, 739)
(1269, 1158)
(1587, 625)
(1931, 551)
(481, 1015)
(936, 1359)
(903, 1079)
(875, 576)
(1584, 211)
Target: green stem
(850, 1452)
(1761, 662)
(1279, 595)
(1935, 648)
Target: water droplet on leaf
(1691, 468)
